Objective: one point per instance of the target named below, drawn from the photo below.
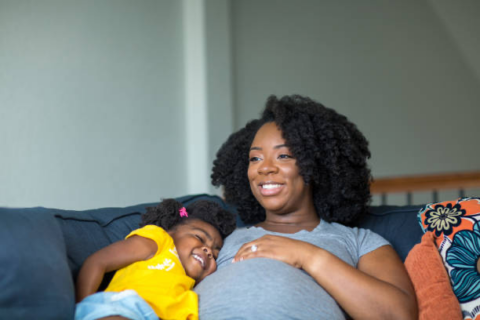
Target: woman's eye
(200, 238)
(285, 156)
(253, 159)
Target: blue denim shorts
(126, 303)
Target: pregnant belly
(264, 289)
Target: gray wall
(90, 102)
(92, 93)
(391, 66)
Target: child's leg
(114, 305)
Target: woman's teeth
(271, 186)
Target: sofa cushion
(456, 228)
(35, 279)
(397, 224)
(87, 231)
(435, 296)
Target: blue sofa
(43, 249)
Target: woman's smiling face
(273, 173)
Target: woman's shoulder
(359, 241)
(340, 228)
(356, 233)
(326, 227)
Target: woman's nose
(267, 167)
(208, 252)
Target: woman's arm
(379, 289)
(113, 257)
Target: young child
(157, 265)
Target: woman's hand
(290, 251)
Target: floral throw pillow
(456, 226)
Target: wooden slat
(444, 181)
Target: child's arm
(113, 257)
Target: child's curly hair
(331, 154)
(167, 215)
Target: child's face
(198, 244)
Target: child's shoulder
(150, 231)
(152, 227)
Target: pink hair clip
(183, 212)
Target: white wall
(393, 67)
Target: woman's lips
(270, 189)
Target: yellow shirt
(161, 281)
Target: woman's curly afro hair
(331, 154)
(167, 215)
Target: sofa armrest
(35, 281)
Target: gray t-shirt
(269, 289)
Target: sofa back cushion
(35, 280)
(397, 224)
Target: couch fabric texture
(43, 249)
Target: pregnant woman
(299, 176)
